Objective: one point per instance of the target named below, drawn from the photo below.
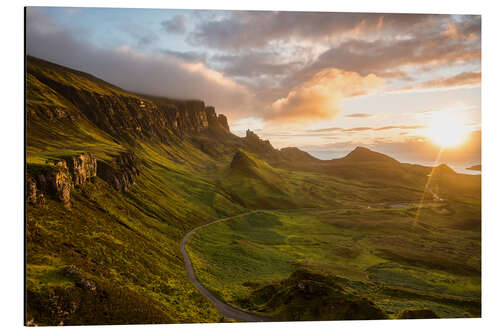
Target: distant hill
(475, 167)
(361, 154)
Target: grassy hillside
(376, 253)
(124, 246)
(103, 239)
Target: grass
(114, 257)
(230, 257)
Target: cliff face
(258, 145)
(121, 172)
(81, 168)
(58, 177)
(121, 114)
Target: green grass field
(377, 253)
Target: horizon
(380, 81)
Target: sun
(447, 129)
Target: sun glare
(447, 129)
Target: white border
(11, 193)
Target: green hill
(114, 180)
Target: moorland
(115, 180)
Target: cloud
(143, 35)
(359, 115)
(385, 128)
(266, 64)
(468, 29)
(319, 98)
(252, 64)
(152, 73)
(253, 29)
(329, 129)
(462, 79)
(385, 58)
(190, 56)
(361, 129)
(176, 25)
(421, 49)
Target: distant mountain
(361, 154)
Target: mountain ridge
(114, 180)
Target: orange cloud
(462, 79)
(319, 97)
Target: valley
(116, 180)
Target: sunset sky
(324, 82)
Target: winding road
(224, 309)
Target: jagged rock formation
(256, 144)
(52, 179)
(121, 172)
(82, 168)
(58, 177)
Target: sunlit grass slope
(114, 258)
(378, 253)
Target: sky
(408, 85)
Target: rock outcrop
(58, 177)
(82, 168)
(258, 145)
(121, 172)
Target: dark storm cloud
(176, 25)
(250, 29)
(162, 74)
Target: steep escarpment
(59, 93)
(113, 181)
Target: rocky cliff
(58, 177)
(119, 113)
(258, 145)
(121, 172)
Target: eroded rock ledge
(58, 177)
(121, 172)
